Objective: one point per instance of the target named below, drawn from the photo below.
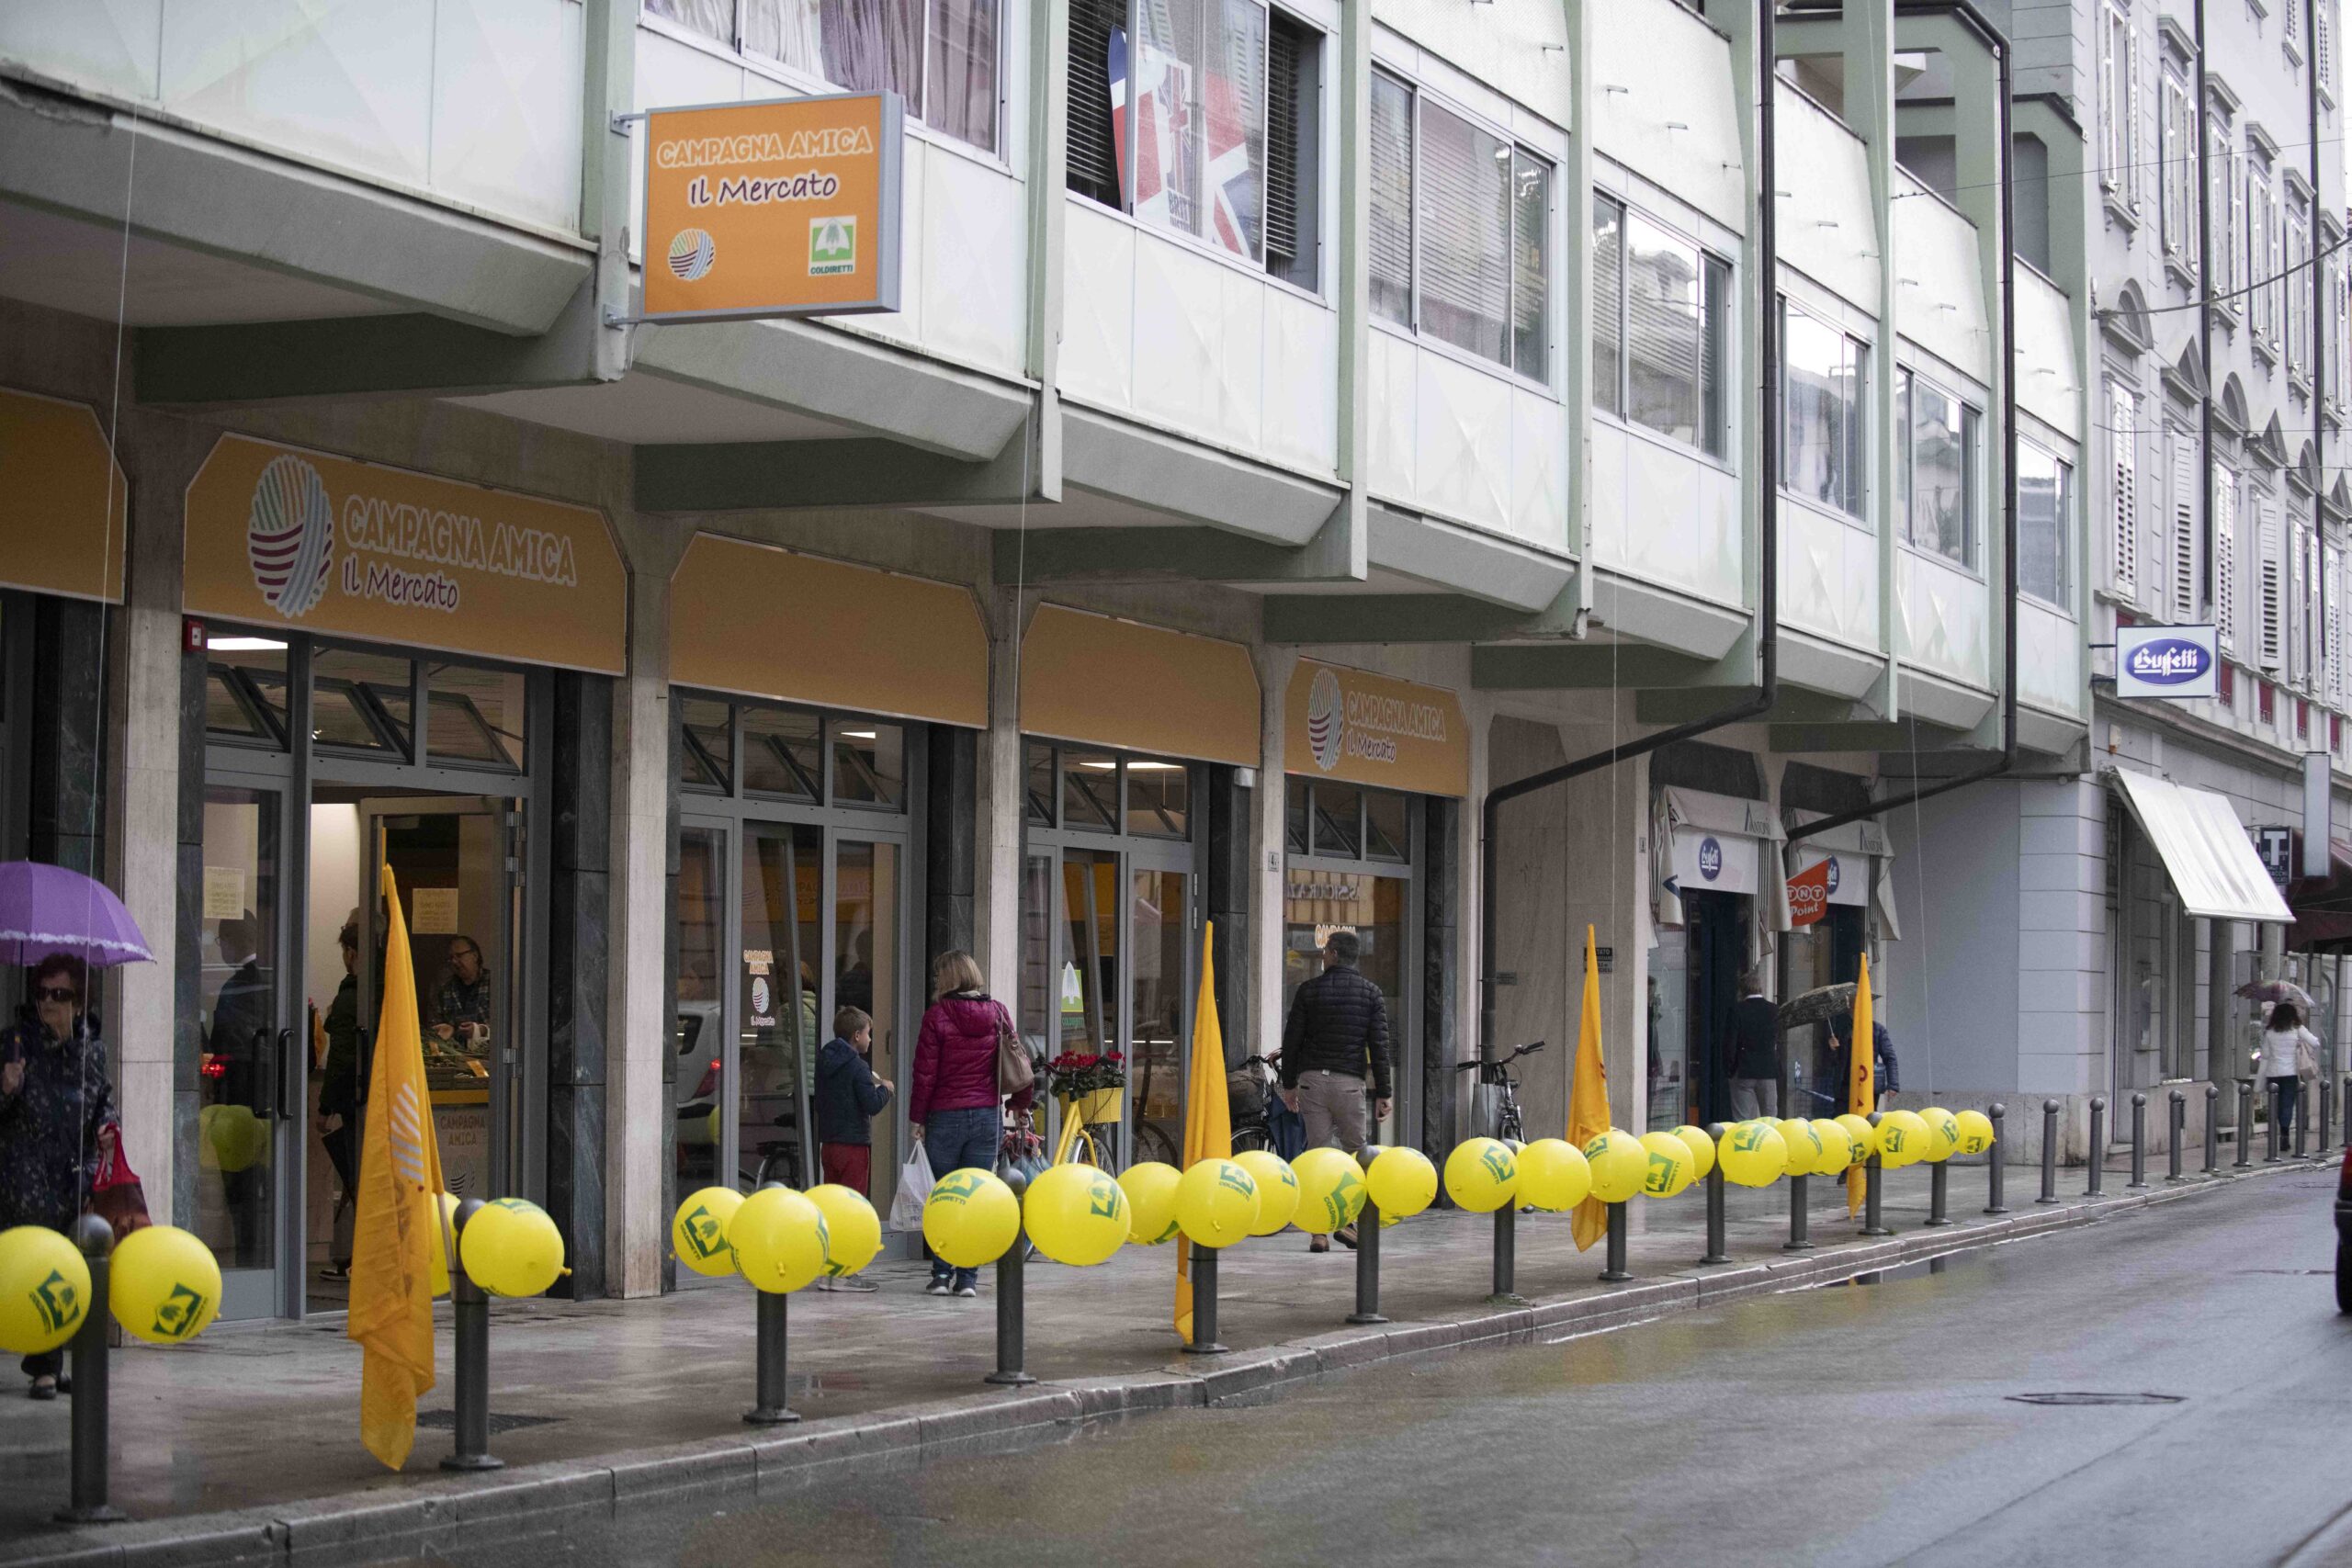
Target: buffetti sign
(787, 208)
(278, 536)
(2164, 661)
(1370, 729)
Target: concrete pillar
(1263, 997)
(996, 837)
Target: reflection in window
(360, 701)
(1295, 809)
(245, 686)
(1608, 305)
(1661, 308)
(1936, 440)
(2045, 501)
(701, 1052)
(1337, 827)
(869, 762)
(1823, 444)
(1159, 799)
(780, 754)
(474, 716)
(1201, 65)
(1384, 826)
(1392, 199)
(1090, 790)
(1038, 790)
(707, 749)
(1466, 205)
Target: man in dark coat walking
(1754, 1054)
(1336, 1037)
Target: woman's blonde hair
(957, 970)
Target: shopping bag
(914, 1191)
(116, 1196)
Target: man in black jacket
(1337, 1036)
(1754, 1064)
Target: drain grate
(2081, 1398)
(447, 1420)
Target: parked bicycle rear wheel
(1256, 1137)
(1152, 1143)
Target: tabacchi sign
(278, 536)
(788, 208)
(1372, 730)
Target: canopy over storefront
(2197, 836)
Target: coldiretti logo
(57, 1302)
(833, 246)
(180, 1313)
(702, 1231)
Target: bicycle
(1249, 1098)
(1508, 1123)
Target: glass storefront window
(1337, 823)
(361, 702)
(1159, 799)
(1318, 903)
(781, 756)
(474, 716)
(1384, 836)
(1295, 817)
(707, 757)
(700, 913)
(1039, 792)
(239, 1072)
(245, 687)
(1667, 1028)
(780, 1030)
(865, 965)
(869, 763)
(1090, 790)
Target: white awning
(2205, 849)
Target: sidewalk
(595, 1401)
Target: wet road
(1863, 1424)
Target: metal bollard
(2302, 1115)
(2048, 1152)
(2139, 1143)
(1939, 1193)
(1715, 1253)
(1204, 1340)
(2178, 1131)
(1874, 1175)
(1616, 1269)
(2212, 1129)
(2098, 1160)
(2327, 1092)
(2277, 1107)
(771, 1314)
(2245, 1125)
(1800, 1218)
(1013, 1302)
(1995, 1158)
(470, 1306)
(1367, 1256)
(88, 1504)
(2344, 1100)
(1506, 1270)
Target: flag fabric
(1588, 1094)
(398, 1213)
(1232, 181)
(1208, 1120)
(1861, 1076)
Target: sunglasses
(55, 994)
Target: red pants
(849, 1164)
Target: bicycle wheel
(1151, 1144)
(1252, 1138)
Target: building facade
(1299, 420)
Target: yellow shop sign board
(1372, 729)
(279, 537)
(63, 499)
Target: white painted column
(1264, 990)
(997, 836)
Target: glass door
(778, 1001)
(702, 1022)
(248, 1122)
(1159, 993)
(866, 974)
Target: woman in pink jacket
(953, 1106)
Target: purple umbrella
(47, 908)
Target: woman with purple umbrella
(57, 1117)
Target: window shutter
(2269, 587)
(1285, 47)
(2297, 663)
(2183, 550)
(2123, 439)
(2110, 102)
(2226, 558)
(2131, 170)
(2331, 595)
(1093, 158)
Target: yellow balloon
(1754, 1153)
(1330, 1190)
(1481, 1174)
(852, 1230)
(1805, 1153)
(510, 1247)
(1837, 1147)
(970, 1218)
(698, 1231)
(1863, 1136)
(238, 1138)
(1902, 1139)
(1151, 1202)
(1277, 1188)
(1076, 1215)
(1702, 1148)
(1553, 1176)
(44, 1289)
(444, 1234)
(1975, 1133)
(1943, 1134)
(1619, 1165)
(165, 1286)
(1402, 1181)
(1670, 1170)
(1217, 1202)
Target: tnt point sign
(786, 208)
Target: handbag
(116, 1196)
(2306, 1058)
(1014, 1071)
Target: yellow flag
(1861, 1076)
(1588, 1095)
(1208, 1120)
(397, 1214)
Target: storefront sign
(2175, 662)
(280, 536)
(1714, 862)
(787, 208)
(1372, 730)
(63, 499)
(2276, 848)
(1830, 879)
(1115, 682)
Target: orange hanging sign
(786, 208)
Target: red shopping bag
(115, 1196)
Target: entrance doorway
(315, 777)
(1716, 924)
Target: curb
(431, 1516)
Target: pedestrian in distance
(1336, 1037)
(1754, 1052)
(339, 1081)
(954, 1108)
(57, 1120)
(2290, 1054)
(1883, 1070)
(849, 1095)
